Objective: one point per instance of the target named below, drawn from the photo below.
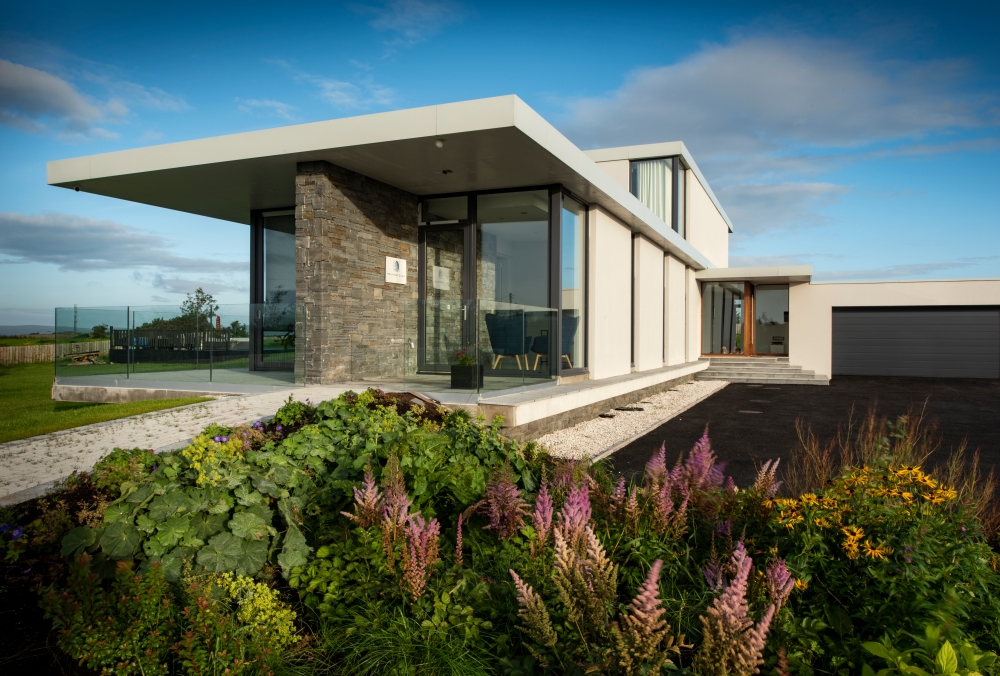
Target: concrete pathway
(28, 467)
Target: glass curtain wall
(273, 325)
(512, 262)
(573, 256)
(771, 318)
(722, 318)
(444, 311)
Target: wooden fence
(34, 354)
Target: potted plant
(466, 374)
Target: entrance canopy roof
(779, 274)
(487, 144)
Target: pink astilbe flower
(656, 468)
(713, 575)
(420, 554)
(616, 501)
(632, 509)
(532, 612)
(575, 515)
(503, 506)
(641, 630)
(767, 483)
(779, 583)
(458, 543)
(732, 643)
(700, 471)
(395, 510)
(367, 502)
(565, 475)
(541, 518)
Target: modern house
(569, 279)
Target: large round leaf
(77, 540)
(295, 551)
(248, 526)
(172, 531)
(252, 557)
(221, 554)
(206, 525)
(120, 540)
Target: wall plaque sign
(395, 270)
(442, 278)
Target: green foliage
(142, 625)
(883, 546)
(99, 332)
(933, 654)
(121, 465)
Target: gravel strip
(27, 463)
(601, 436)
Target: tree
(238, 330)
(197, 312)
(99, 332)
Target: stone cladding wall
(345, 226)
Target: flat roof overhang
(779, 274)
(489, 144)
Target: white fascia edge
(425, 122)
(667, 149)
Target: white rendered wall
(648, 305)
(619, 170)
(810, 309)
(707, 230)
(675, 322)
(692, 300)
(611, 306)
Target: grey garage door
(950, 342)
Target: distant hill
(25, 329)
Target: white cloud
(278, 108)
(414, 20)
(33, 100)
(82, 244)
(38, 101)
(903, 271)
(765, 116)
(179, 285)
(341, 93)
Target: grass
(28, 410)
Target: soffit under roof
(488, 144)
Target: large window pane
(278, 312)
(513, 247)
(771, 325)
(651, 183)
(574, 273)
(722, 318)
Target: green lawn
(28, 410)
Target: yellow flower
(809, 499)
(821, 522)
(853, 533)
(801, 585)
(875, 552)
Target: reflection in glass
(574, 273)
(277, 316)
(722, 318)
(444, 210)
(771, 321)
(513, 247)
(444, 314)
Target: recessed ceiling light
(439, 143)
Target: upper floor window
(661, 184)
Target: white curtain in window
(651, 184)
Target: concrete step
(741, 368)
(754, 374)
(738, 358)
(810, 380)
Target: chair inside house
(540, 346)
(507, 337)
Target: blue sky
(863, 141)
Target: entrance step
(762, 370)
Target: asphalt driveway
(749, 424)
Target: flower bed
(370, 534)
